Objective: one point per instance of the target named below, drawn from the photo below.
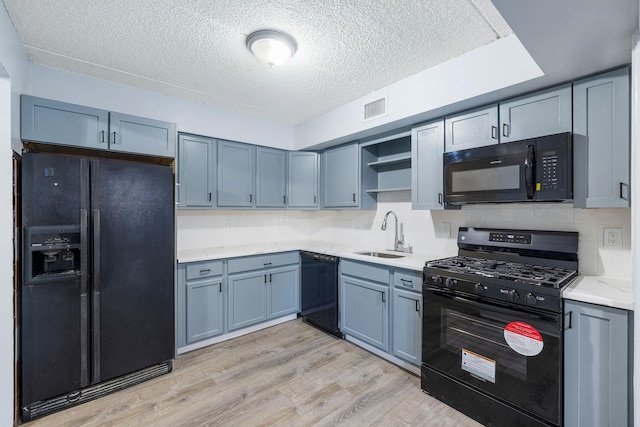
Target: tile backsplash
(432, 233)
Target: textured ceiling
(195, 49)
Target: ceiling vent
(375, 109)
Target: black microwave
(538, 169)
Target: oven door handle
(484, 304)
(528, 171)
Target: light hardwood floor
(287, 375)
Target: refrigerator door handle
(84, 300)
(95, 320)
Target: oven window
(483, 338)
(486, 179)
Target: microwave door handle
(528, 171)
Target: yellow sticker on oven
(523, 338)
(538, 186)
(479, 366)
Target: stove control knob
(437, 280)
(480, 289)
(450, 283)
(514, 295)
(531, 298)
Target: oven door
(496, 173)
(512, 355)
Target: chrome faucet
(398, 241)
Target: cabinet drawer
(373, 272)
(408, 279)
(196, 270)
(236, 265)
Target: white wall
(425, 231)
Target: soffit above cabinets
(195, 49)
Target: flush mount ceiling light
(271, 47)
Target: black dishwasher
(320, 291)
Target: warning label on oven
(523, 338)
(479, 366)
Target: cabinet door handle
(270, 281)
(439, 198)
(505, 129)
(418, 306)
(102, 141)
(354, 197)
(383, 296)
(266, 264)
(314, 200)
(220, 284)
(284, 200)
(265, 278)
(208, 270)
(209, 196)
(622, 193)
(115, 141)
(494, 132)
(406, 282)
(250, 198)
(568, 323)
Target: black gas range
(492, 326)
(521, 267)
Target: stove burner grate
(510, 271)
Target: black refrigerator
(96, 302)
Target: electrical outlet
(613, 237)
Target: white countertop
(608, 291)
(409, 261)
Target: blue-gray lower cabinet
(262, 287)
(200, 300)
(407, 315)
(283, 291)
(247, 299)
(365, 302)
(204, 310)
(596, 365)
(407, 325)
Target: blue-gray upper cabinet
(271, 178)
(196, 171)
(601, 126)
(236, 174)
(365, 302)
(131, 134)
(54, 122)
(475, 128)
(541, 113)
(596, 366)
(341, 178)
(427, 147)
(302, 188)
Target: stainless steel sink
(380, 254)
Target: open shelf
(384, 190)
(402, 160)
